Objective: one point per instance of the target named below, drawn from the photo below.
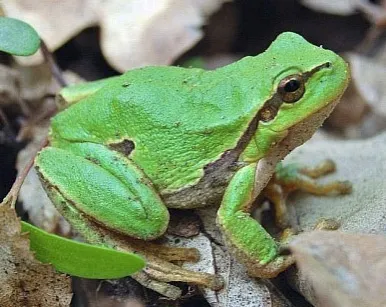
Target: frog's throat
(296, 136)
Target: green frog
(169, 137)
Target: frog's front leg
(250, 242)
(104, 186)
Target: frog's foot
(168, 253)
(125, 196)
(323, 168)
(280, 263)
(168, 272)
(271, 269)
(294, 177)
(159, 267)
(159, 271)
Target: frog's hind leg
(293, 177)
(95, 170)
(106, 187)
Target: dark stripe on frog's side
(211, 187)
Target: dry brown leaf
(36, 82)
(362, 110)
(339, 7)
(134, 33)
(375, 13)
(55, 21)
(240, 289)
(151, 32)
(9, 86)
(362, 162)
(345, 269)
(25, 281)
(369, 78)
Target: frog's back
(179, 120)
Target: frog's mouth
(303, 130)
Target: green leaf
(18, 37)
(80, 259)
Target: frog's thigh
(107, 187)
(252, 244)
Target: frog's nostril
(328, 65)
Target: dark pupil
(292, 86)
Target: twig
(11, 197)
(56, 71)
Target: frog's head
(306, 83)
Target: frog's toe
(325, 167)
(344, 187)
(168, 253)
(327, 224)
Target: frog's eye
(291, 88)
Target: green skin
(160, 137)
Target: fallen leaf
(240, 289)
(369, 78)
(350, 113)
(25, 281)
(339, 7)
(362, 110)
(133, 33)
(345, 269)
(375, 13)
(9, 86)
(362, 162)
